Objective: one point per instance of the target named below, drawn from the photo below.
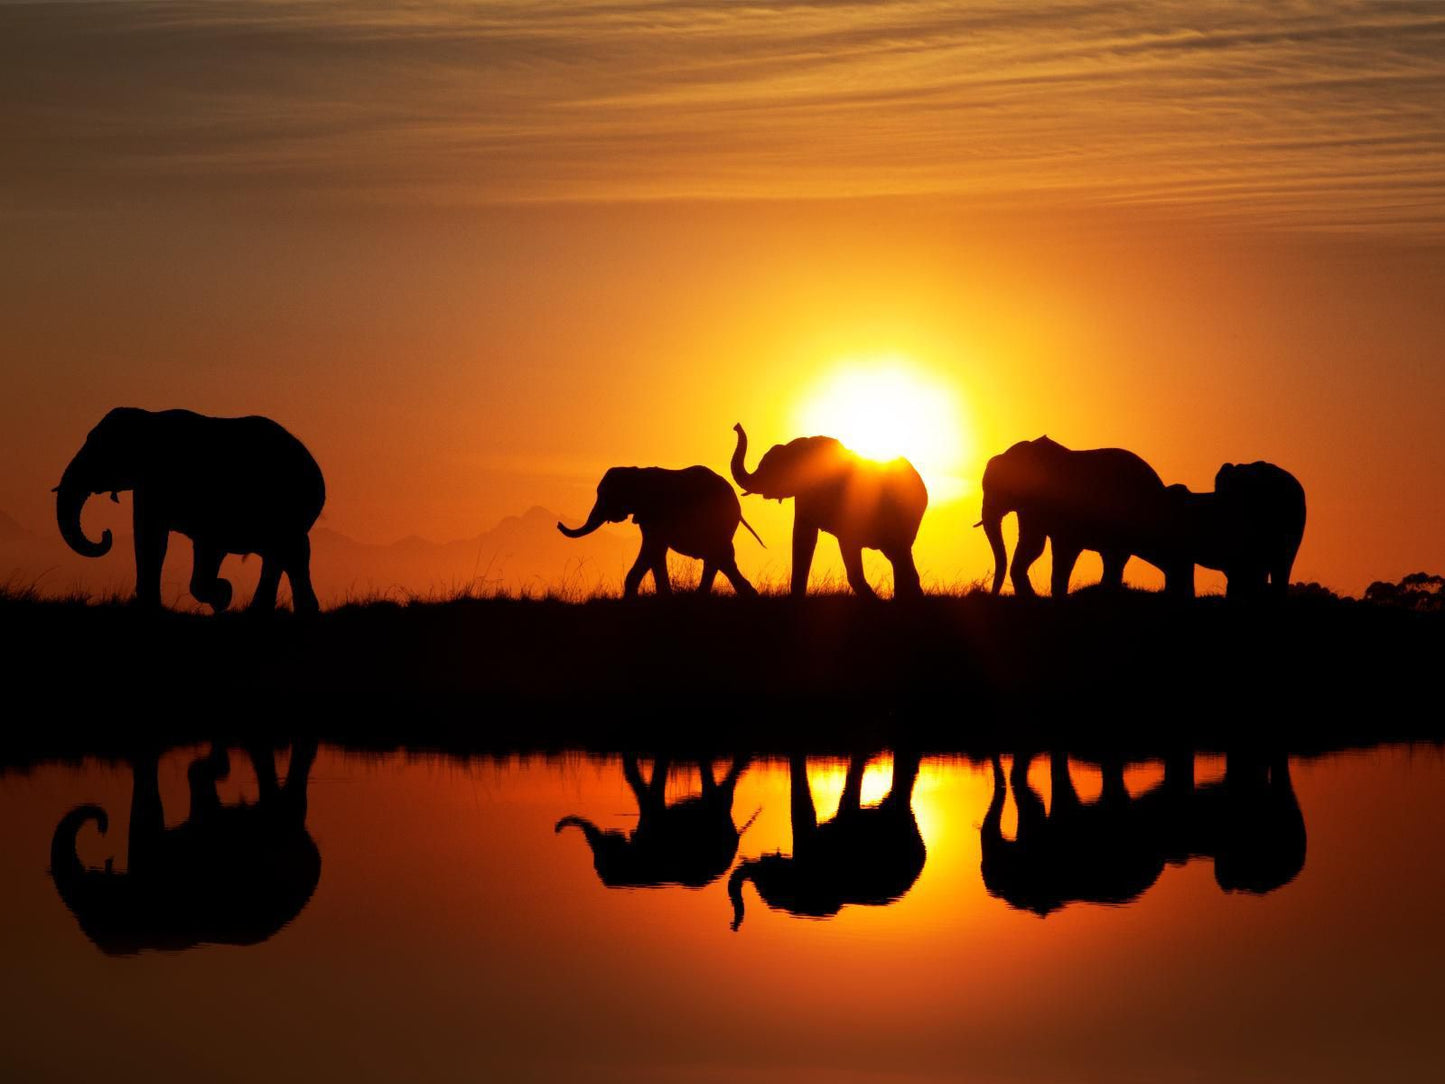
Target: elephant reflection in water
(228, 875)
(1114, 849)
(691, 842)
(869, 855)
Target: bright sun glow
(885, 409)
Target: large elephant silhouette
(869, 855)
(227, 875)
(693, 511)
(1102, 499)
(1113, 850)
(1249, 528)
(865, 505)
(232, 485)
(691, 842)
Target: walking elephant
(232, 485)
(693, 511)
(228, 875)
(691, 842)
(865, 505)
(1102, 499)
(1249, 528)
(862, 856)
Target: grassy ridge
(950, 673)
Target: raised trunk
(70, 498)
(735, 891)
(594, 520)
(740, 471)
(65, 866)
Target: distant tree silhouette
(232, 485)
(865, 505)
(693, 511)
(691, 842)
(1417, 591)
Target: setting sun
(888, 408)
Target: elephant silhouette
(691, 842)
(693, 511)
(1249, 528)
(227, 875)
(1113, 850)
(865, 505)
(868, 856)
(232, 485)
(1102, 499)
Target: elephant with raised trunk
(1249, 528)
(865, 505)
(227, 875)
(864, 855)
(693, 511)
(691, 842)
(232, 485)
(1102, 499)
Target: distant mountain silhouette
(521, 553)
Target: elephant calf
(693, 511)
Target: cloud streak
(1322, 115)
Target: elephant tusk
(115, 496)
(979, 523)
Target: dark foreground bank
(696, 674)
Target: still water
(395, 917)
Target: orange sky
(474, 255)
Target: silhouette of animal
(693, 511)
(862, 856)
(1113, 850)
(232, 485)
(691, 842)
(1103, 499)
(228, 875)
(865, 505)
(1249, 528)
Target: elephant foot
(219, 596)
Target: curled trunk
(735, 890)
(70, 498)
(594, 520)
(590, 830)
(65, 865)
(740, 472)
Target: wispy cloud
(1307, 113)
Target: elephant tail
(64, 863)
(752, 532)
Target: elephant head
(110, 460)
(787, 470)
(620, 494)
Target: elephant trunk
(70, 498)
(590, 830)
(595, 519)
(992, 523)
(735, 891)
(65, 865)
(741, 475)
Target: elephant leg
(147, 818)
(728, 565)
(1279, 571)
(1066, 555)
(805, 541)
(851, 800)
(298, 776)
(635, 573)
(709, 573)
(206, 583)
(804, 816)
(905, 775)
(853, 565)
(1179, 581)
(633, 774)
(1114, 562)
(298, 570)
(264, 600)
(1029, 549)
(661, 582)
(201, 777)
(905, 574)
(151, 540)
(709, 781)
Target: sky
(473, 254)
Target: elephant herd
(235, 874)
(246, 485)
